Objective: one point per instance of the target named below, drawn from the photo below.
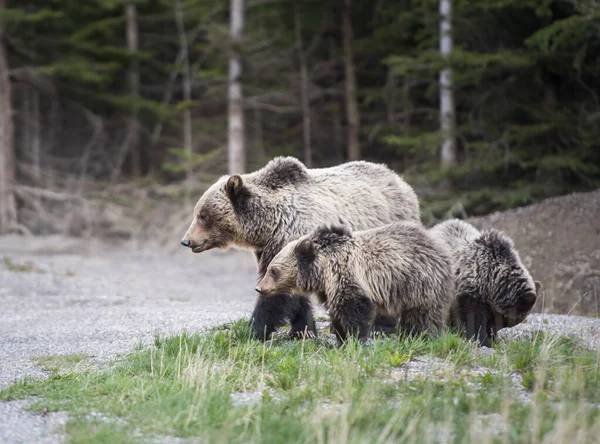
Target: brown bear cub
(261, 211)
(397, 270)
(494, 290)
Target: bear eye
(202, 216)
(275, 273)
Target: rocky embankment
(559, 241)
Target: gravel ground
(586, 330)
(102, 300)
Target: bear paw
(302, 334)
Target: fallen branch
(26, 192)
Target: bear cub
(397, 270)
(494, 290)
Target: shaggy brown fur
(263, 210)
(494, 290)
(398, 270)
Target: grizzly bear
(494, 290)
(397, 270)
(261, 211)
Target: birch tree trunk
(236, 148)
(188, 142)
(8, 209)
(133, 81)
(352, 115)
(447, 108)
(304, 91)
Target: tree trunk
(390, 96)
(133, 82)
(338, 133)
(8, 208)
(22, 122)
(304, 91)
(447, 109)
(236, 149)
(188, 142)
(130, 147)
(259, 144)
(352, 115)
(36, 136)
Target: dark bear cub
(494, 290)
(397, 270)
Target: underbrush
(225, 387)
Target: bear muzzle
(195, 248)
(266, 286)
(265, 291)
(200, 248)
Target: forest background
(482, 105)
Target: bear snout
(266, 286)
(263, 289)
(196, 248)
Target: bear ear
(234, 186)
(538, 285)
(305, 251)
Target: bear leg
(495, 322)
(303, 323)
(417, 321)
(352, 317)
(385, 324)
(273, 312)
(269, 314)
(476, 326)
(476, 318)
(480, 330)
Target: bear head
(242, 210)
(513, 290)
(300, 266)
(214, 222)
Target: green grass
(311, 391)
(18, 267)
(62, 364)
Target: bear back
(281, 172)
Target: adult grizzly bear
(397, 270)
(494, 290)
(261, 211)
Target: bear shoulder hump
(283, 171)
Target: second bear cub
(398, 270)
(494, 290)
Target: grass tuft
(18, 267)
